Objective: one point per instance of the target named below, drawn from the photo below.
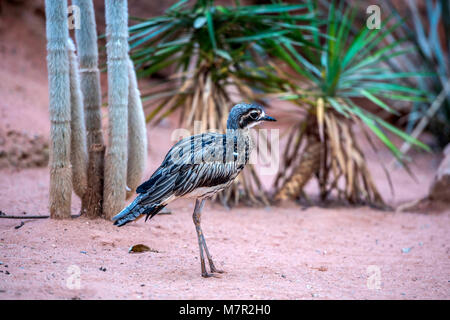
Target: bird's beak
(267, 118)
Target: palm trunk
(116, 155)
(59, 106)
(440, 188)
(86, 37)
(90, 85)
(78, 151)
(94, 194)
(308, 166)
(137, 135)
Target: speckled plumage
(198, 167)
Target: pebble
(406, 250)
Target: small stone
(406, 250)
(314, 295)
(308, 286)
(7, 272)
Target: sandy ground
(272, 253)
(268, 253)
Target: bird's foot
(214, 270)
(210, 275)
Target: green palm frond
(351, 67)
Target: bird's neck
(242, 137)
(238, 132)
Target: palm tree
(114, 194)
(90, 86)
(59, 99)
(324, 143)
(77, 129)
(220, 58)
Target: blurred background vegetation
(320, 56)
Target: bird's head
(245, 115)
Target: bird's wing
(196, 161)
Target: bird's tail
(134, 210)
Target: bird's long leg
(211, 263)
(196, 216)
(208, 255)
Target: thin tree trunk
(59, 106)
(78, 150)
(94, 194)
(309, 165)
(440, 188)
(86, 37)
(137, 134)
(116, 154)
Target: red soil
(275, 253)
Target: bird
(198, 167)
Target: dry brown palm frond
(307, 165)
(336, 160)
